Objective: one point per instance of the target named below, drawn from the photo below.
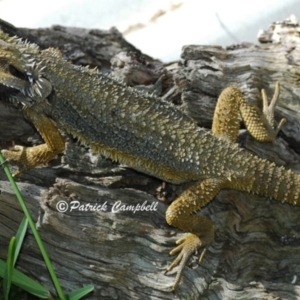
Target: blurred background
(157, 27)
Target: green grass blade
(8, 272)
(78, 294)
(33, 229)
(26, 283)
(20, 237)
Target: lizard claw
(187, 246)
(269, 109)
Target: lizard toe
(187, 246)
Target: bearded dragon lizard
(145, 133)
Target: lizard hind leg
(201, 229)
(260, 124)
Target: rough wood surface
(256, 253)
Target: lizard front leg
(201, 229)
(31, 157)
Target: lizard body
(144, 132)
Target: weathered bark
(256, 253)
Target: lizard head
(21, 77)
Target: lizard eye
(15, 72)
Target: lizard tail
(276, 182)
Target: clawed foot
(268, 109)
(28, 157)
(187, 246)
(18, 154)
(14, 154)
